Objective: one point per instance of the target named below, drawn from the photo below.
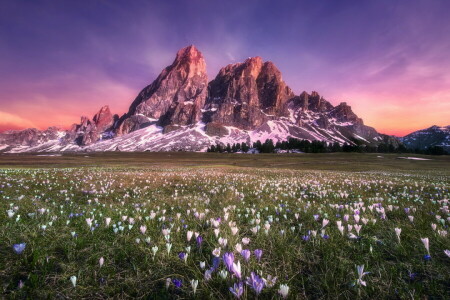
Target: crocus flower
(19, 248)
(237, 290)
(447, 252)
(143, 229)
(223, 274)
(183, 256)
(397, 232)
(208, 274)
(101, 261)
(177, 282)
(228, 259)
(357, 228)
(199, 240)
(216, 252)
(189, 235)
(73, 279)
(246, 254)
(258, 254)
(361, 274)
(284, 290)
(215, 262)
(255, 282)
(194, 284)
(270, 281)
(426, 244)
(236, 269)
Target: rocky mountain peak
(175, 97)
(344, 113)
(103, 118)
(252, 66)
(191, 59)
(246, 95)
(90, 131)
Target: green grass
(285, 191)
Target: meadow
(224, 226)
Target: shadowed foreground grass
(314, 217)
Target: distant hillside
(427, 138)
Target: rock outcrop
(245, 95)
(90, 131)
(177, 96)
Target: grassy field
(224, 226)
(330, 161)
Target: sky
(388, 59)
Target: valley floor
(353, 162)
(224, 226)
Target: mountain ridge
(433, 136)
(181, 110)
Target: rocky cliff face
(245, 95)
(245, 102)
(90, 131)
(175, 97)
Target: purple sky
(390, 60)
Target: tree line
(293, 144)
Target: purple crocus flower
(199, 240)
(19, 248)
(305, 237)
(177, 282)
(237, 290)
(228, 259)
(255, 282)
(215, 262)
(246, 254)
(258, 254)
(182, 255)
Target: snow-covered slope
(195, 137)
(429, 137)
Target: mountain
(427, 138)
(180, 110)
(90, 131)
(176, 97)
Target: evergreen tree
(245, 148)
